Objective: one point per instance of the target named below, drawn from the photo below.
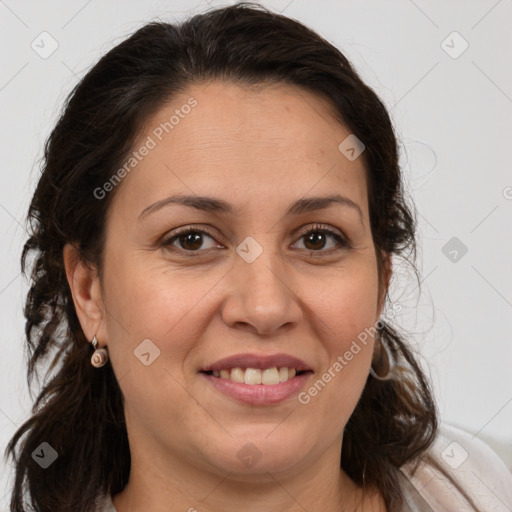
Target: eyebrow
(214, 205)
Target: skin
(259, 149)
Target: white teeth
(252, 376)
(268, 376)
(237, 374)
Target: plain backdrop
(443, 70)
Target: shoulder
(457, 464)
(105, 504)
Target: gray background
(452, 110)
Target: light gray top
(469, 462)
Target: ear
(85, 288)
(385, 277)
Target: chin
(260, 453)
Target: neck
(180, 486)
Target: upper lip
(258, 361)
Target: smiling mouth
(256, 376)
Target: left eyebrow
(214, 205)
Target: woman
(217, 216)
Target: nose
(260, 296)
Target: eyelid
(166, 240)
(342, 239)
(321, 227)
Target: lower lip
(259, 394)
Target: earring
(100, 356)
(384, 368)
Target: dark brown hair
(79, 410)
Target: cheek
(346, 317)
(153, 302)
(150, 303)
(346, 302)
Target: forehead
(276, 142)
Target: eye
(315, 239)
(189, 239)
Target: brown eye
(316, 239)
(189, 240)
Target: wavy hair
(79, 410)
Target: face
(250, 282)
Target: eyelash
(342, 242)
